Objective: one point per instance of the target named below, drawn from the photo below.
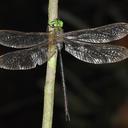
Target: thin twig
(50, 74)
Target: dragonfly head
(56, 23)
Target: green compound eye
(56, 23)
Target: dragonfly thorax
(58, 37)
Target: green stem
(50, 73)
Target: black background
(97, 94)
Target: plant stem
(50, 73)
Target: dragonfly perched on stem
(89, 45)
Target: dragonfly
(91, 45)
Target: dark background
(97, 94)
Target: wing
(101, 34)
(25, 59)
(97, 53)
(16, 39)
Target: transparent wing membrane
(101, 34)
(97, 53)
(25, 59)
(16, 39)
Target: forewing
(101, 34)
(16, 39)
(25, 59)
(97, 53)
